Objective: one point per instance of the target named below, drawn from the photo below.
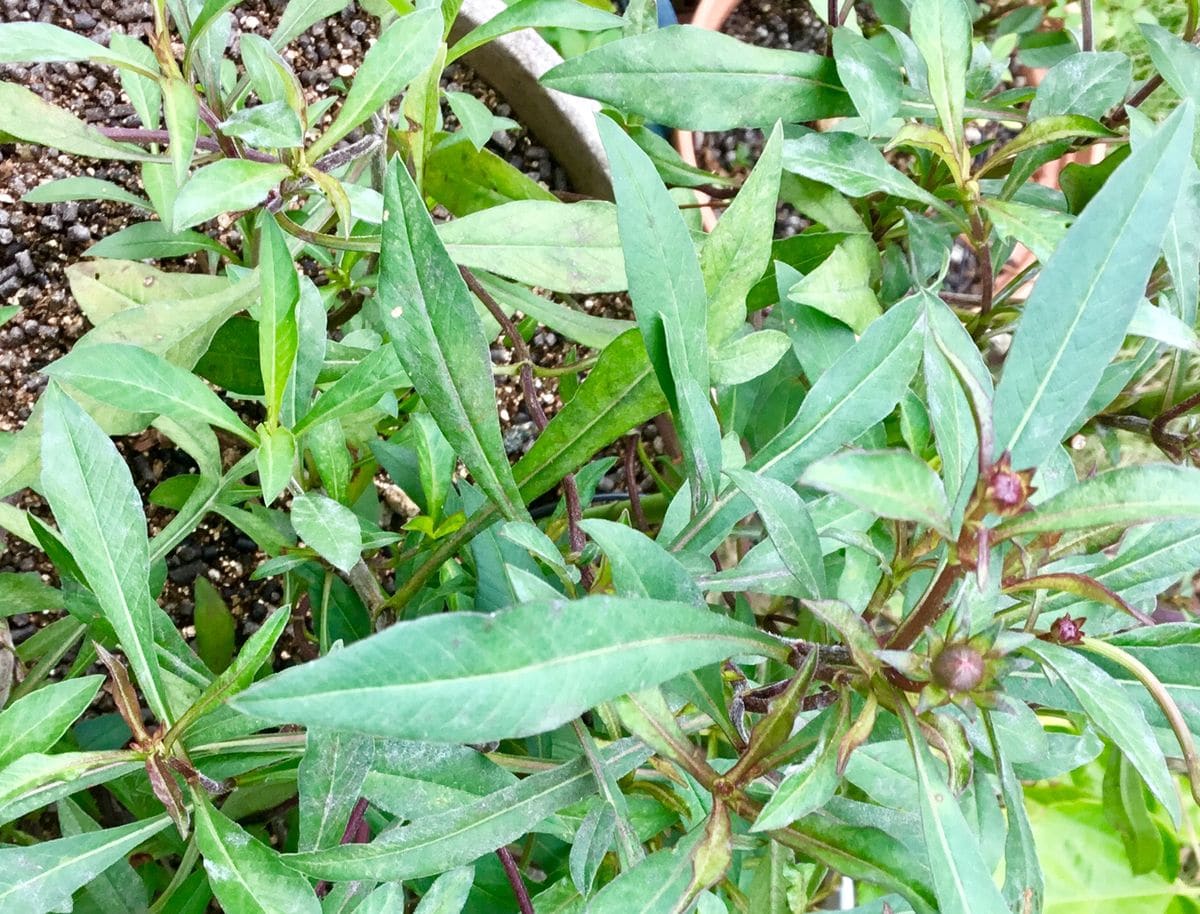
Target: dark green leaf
(42, 877)
(688, 77)
(100, 517)
(425, 306)
(1070, 329)
(476, 693)
(246, 875)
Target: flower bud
(958, 668)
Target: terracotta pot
(513, 65)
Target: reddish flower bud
(1067, 630)
(958, 668)
(1007, 491)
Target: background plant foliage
(841, 640)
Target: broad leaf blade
(1075, 320)
(100, 518)
(559, 660)
(246, 875)
(35, 722)
(425, 306)
(1114, 715)
(688, 77)
(42, 877)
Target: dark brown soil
(37, 242)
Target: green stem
(1162, 698)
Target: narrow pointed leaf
(564, 247)
(330, 777)
(425, 307)
(137, 380)
(246, 875)
(1075, 320)
(620, 393)
(35, 722)
(789, 526)
(431, 844)
(404, 51)
(640, 566)
(25, 116)
(809, 785)
(42, 877)
(861, 388)
(665, 282)
(1114, 714)
(444, 677)
(563, 14)
(100, 517)
(1127, 495)
(960, 877)
(941, 30)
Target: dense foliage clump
(921, 542)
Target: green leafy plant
(873, 595)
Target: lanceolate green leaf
(1114, 715)
(35, 722)
(225, 186)
(42, 877)
(181, 111)
(34, 779)
(246, 875)
(328, 527)
(41, 42)
(425, 306)
(134, 379)
(1024, 887)
(568, 14)
(330, 778)
(664, 275)
(960, 877)
(404, 50)
(81, 187)
(1127, 495)
(683, 76)
(620, 393)
(100, 518)
(1075, 320)
(859, 389)
(640, 566)
(873, 81)
(941, 30)
(789, 526)
(25, 116)
(564, 247)
(434, 843)
(894, 483)
(559, 660)
(298, 15)
(849, 164)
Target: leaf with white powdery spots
(426, 309)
